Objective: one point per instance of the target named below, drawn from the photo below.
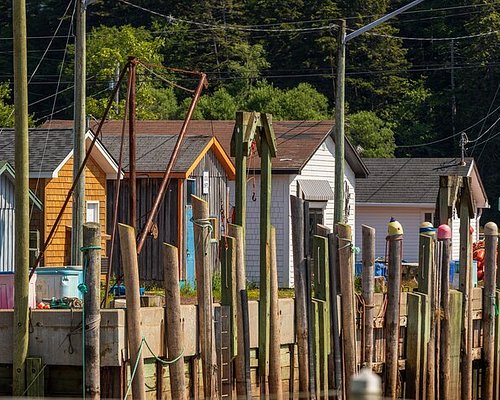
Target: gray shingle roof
(153, 151)
(406, 180)
(48, 148)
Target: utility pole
(20, 329)
(339, 105)
(132, 144)
(79, 132)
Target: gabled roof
(413, 180)
(50, 149)
(154, 151)
(7, 170)
(297, 141)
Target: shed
(407, 189)
(51, 176)
(7, 215)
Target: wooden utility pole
(465, 286)
(173, 321)
(202, 229)
(339, 127)
(392, 314)
(265, 259)
(132, 144)
(368, 283)
(134, 331)
(444, 236)
(92, 265)
(21, 280)
(236, 231)
(79, 131)
(490, 266)
(348, 311)
(299, 279)
(275, 384)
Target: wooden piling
(465, 286)
(392, 315)
(348, 310)
(275, 384)
(240, 361)
(300, 279)
(368, 285)
(227, 245)
(92, 265)
(496, 379)
(174, 335)
(202, 229)
(445, 345)
(414, 345)
(455, 339)
(130, 265)
(35, 377)
(490, 265)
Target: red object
(480, 274)
(444, 232)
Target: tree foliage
(373, 136)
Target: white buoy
(366, 386)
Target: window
(429, 217)
(92, 211)
(190, 189)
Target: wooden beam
(368, 285)
(227, 245)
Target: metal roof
(316, 190)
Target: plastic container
(7, 291)
(119, 290)
(58, 282)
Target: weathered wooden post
(444, 239)
(275, 384)
(134, 332)
(348, 310)
(174, 334)
(92, 271)
(202, 235)
(465, 287)
(368, 284)
(236, 231)
(395, 245)
(490, 265)
(300, 278)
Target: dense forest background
(414, 84)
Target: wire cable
(484, 121)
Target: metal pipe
(166, 176)
(82, 168)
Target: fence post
(202, 237)
(347, 292)
(236, 231)
(490, 265)
(395, 238)
(455, 338)
(414, 344)
(368, 284)
(300, 279)
(173, 322)
(444, 237)
(128, 251)
(275, 384)
(92, 260)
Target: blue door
(190, 268)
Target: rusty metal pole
(166, 176)
(132, 147)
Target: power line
(432, 39)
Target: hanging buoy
(394, 227)
(444, 232)
(427, 229)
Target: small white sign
(206, 182)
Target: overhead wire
(484, 120)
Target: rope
(94, 324)
(136, 364)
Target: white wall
(410, 218)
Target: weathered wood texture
(174, 334)
(134, 331)
(92, 265)
(392, 315)
(300, 279)
(445, 345)
(368, 286)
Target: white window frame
(89, 202)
